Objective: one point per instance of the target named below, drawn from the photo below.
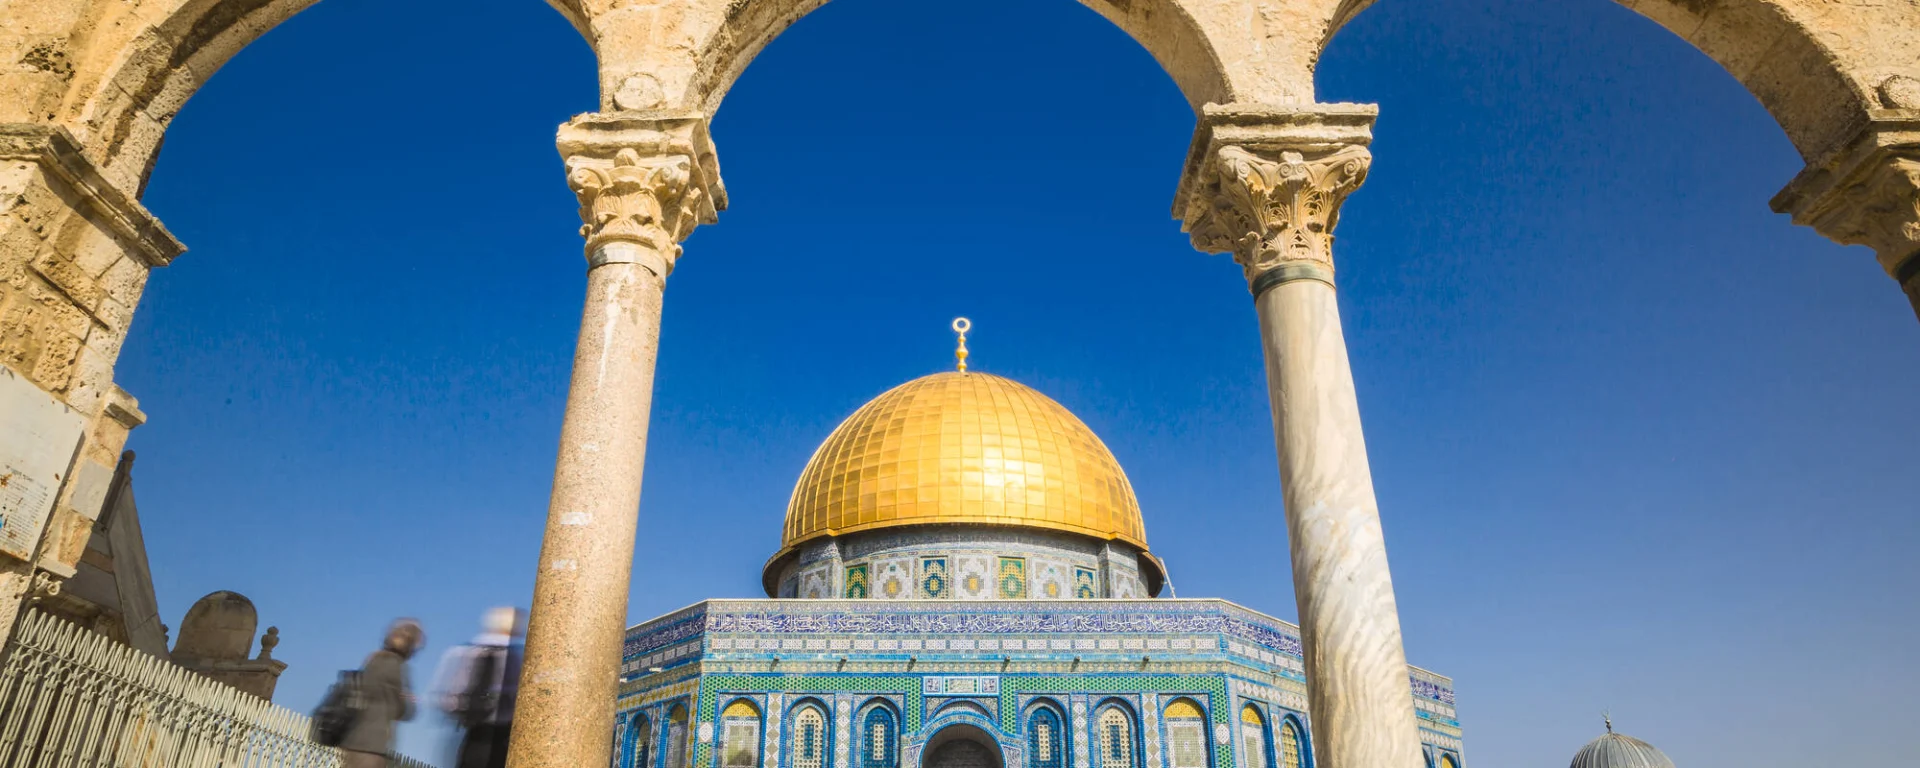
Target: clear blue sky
(1640, 444)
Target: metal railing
(70, 698)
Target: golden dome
(963, 448)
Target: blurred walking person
(386, 697)
(477, 685)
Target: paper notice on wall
(37, 438)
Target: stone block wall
(75, 252)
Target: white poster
(38, 435)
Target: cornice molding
(58, 154)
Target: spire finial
(1608, 718)
(960, 326)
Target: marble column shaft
(1356, 667)
(642, 187)
(1268, 189)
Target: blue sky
(1640, 444)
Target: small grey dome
(1619, 751)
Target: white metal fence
(70, 698)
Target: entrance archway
(961, 746)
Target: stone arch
(137, 67)
(137, 73)
(1164, 27)
(1818, 67)
(685, 57)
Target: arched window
(1290, 755)
(1253, 737)
(740, 735)
(676, 745)
(1186, 734)
(640, 742)
(1447, 761)
(879, 740)
(1116, 738)
(1045, 748)
(809, 738)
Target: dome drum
(963, 562)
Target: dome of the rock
(1615, 750)
(963, 448)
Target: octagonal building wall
(979, 667)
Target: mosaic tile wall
(962, 563)
(988, 661)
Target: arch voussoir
(688, 55)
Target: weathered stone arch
(140, 62)
(685, 56)
(1818, 66)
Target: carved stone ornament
(1272, 208)
(645, 200)
(1881, 211)
(1867, 192)
(644, 181)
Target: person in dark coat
(477, 686)
(388, 697)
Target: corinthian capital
(1265, 184)
(1269, 211)
(635, 199)
(1867, 193)
(644, 183)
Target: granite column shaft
(642, 188)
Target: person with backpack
(382, 697)
(476, 688)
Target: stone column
(644, 182)
(1266, 184)
(1868, 193)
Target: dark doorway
(961, 746)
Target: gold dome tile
(963, 448)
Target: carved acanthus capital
(1868, 193)
(1268, 211)
(1266, 184)
(635, 199)
(642, 180)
